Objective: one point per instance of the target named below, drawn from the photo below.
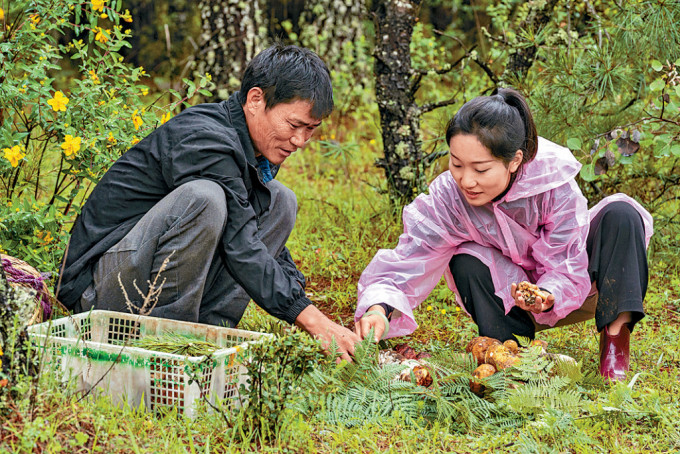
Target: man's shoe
(614, 354)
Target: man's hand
(364, 325)
(538, 307)
(321, 327)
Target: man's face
(278, 132)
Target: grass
(343, 220)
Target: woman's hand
(539, 306)
(364, 325)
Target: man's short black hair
(289, 73)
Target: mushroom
(478, 347)
(483, 371)
(500, 357)
(530, 292)
(511, 345)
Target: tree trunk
(329, 26)
(233, 32)
(538, 17)
(334, 29)
(395, 88)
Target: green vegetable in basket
(177, 344)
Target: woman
(509, 211)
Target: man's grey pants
(186, 226)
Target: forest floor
(342, 222)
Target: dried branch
(440, 71)
(469, 54)
(151, 298)
(435, 105)
(415, 85)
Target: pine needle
(177, 344)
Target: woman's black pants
(617, 263)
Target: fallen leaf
(627, 147)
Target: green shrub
(276, 368)
(68, 110)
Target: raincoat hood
(555, 167)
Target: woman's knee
(465, 267)
(620, 216)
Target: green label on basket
(103, 356)
(120, 357)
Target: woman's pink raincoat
(536, 232)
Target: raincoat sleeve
(404, 276)
(560, 251)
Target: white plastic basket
(94, 349)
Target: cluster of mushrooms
(414, 362)
(493, 355)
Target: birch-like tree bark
(233, 32)
(395, 87)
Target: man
(199, 192)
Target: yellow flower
(103, 16)
(14, 155)
(145, 91)
(101, 35)
(46, 238)
(58, 102)
(94, 76)
(111, 139)
(127, 17)
(98, 5)
(443, 311)
(35, 19)
(457, 308)
(135, 140)
(429, 308)
(137, 120)
(2, 14)
(166, 117)
(71, 145)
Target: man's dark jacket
(204, 142)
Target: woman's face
(480, 176)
